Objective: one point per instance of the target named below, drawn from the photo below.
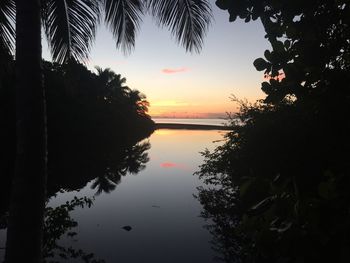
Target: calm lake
(148, 213)
(192, 121)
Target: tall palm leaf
(7, 21)
(188, 20)
(124, 17)
(103, 184)
(70, 26)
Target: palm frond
(70, 27)
(123, 18)
(7, 22)
(188, 20)
(103, 184)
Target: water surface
(191, 121)
(157, 203)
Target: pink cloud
(173, 165)
(174, 70)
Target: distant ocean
(191, 121)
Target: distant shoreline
(190, 126)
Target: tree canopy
(310, 45)
(283, 171)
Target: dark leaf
(260, 64)
(221, 4)
(7, 21)
(70, 27)
(266, 88)
(262, 206)
(123, 18)
(188, 20)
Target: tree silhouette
(70, 27)
(105, 183)
(310, 45)
(134, 159)
(112, 85)
(138, 102)
(286, 159)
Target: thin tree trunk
(25, 229)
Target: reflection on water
(149, 215)
(157, 204)
(132, 162)
(192, 121)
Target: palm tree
(67, 38)
(136, 158)
(106, 183)
(138, 102)
(113, 89)
(70, 27)
(112, 84)
(133, 161)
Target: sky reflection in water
(157, 203)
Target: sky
(187, 85)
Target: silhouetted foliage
(107, 170)
(132, 161)
(82, 150)
(282, 174)
(59, 223)
(70, 29)
(92, 125)
(91, 105)
(310, 46)
(7, 16)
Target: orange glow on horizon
(184, 109)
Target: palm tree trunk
(25, 229)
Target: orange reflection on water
(173, 165)
(164, 132)
(180, 149)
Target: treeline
(93, 119)
(98, 105)
(282, 176)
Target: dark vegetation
(70, 28)
(94, 125)
(278, 188)
(99, 122)
(90, 117)
(59, 223)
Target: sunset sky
(180, 84)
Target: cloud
(174, 70)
